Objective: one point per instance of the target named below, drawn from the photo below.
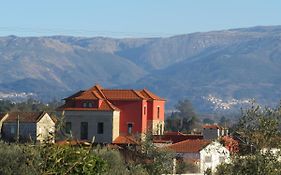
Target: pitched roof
(215, 126)
(122, 94)
(189, 146)
(105, 106)
(97, 92)
(175, 138)
(2, 115)
(25, 117)
(150, 96)
(125, 140)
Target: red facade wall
(152, 110)
(131, 112)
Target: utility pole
(18, 128)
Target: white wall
(44, 127)
(110, 120)
(216, 152)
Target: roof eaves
(112, 106)
(138, 94)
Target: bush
(18, 159)
(68, 159)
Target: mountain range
(229, 64)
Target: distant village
(120, 118)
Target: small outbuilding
(28, 126)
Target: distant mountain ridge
(237, 63)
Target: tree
(184, 119)
(6, 105)
(154, 160)
(185, 109)
(259, 133)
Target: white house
(212, 155)
(204, 153)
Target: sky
(132, 18)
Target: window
(87, 104)
(208, 159)
(130, 128)
(84, 105)
(90, 105)
(13, 129)
(158, 111)
(68, 127)
(84, 130)
(144, 110)
(100, 128)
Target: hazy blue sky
(132, 18)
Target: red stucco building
(106, 114)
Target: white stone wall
(216, 153)
(157, 127)
(110, 120)
(45, 126)
(115, 124)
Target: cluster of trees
(259, 133)
(31, 105)
(184, 119)
(68, 159)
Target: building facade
(28, 126)
(102, 115)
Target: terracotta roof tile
(97, 92)
(212, 127)
(25, 117)
(189, 146)
(125, 140)
(150, 95)
(121, 94)
(105, 106)
(106, 95)
(175, 138)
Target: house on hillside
(28, 126)
(204, 153)
(103, 115)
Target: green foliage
(259, 128)
(208, 171)
(116, 164)
(154, 160)
(185, 119)
(31, 105)
(259, 133)
(68, 159)
(49, 159)
(257, 164)
(183, 167)
(208, 121)
(6, 106)
(18, 159)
